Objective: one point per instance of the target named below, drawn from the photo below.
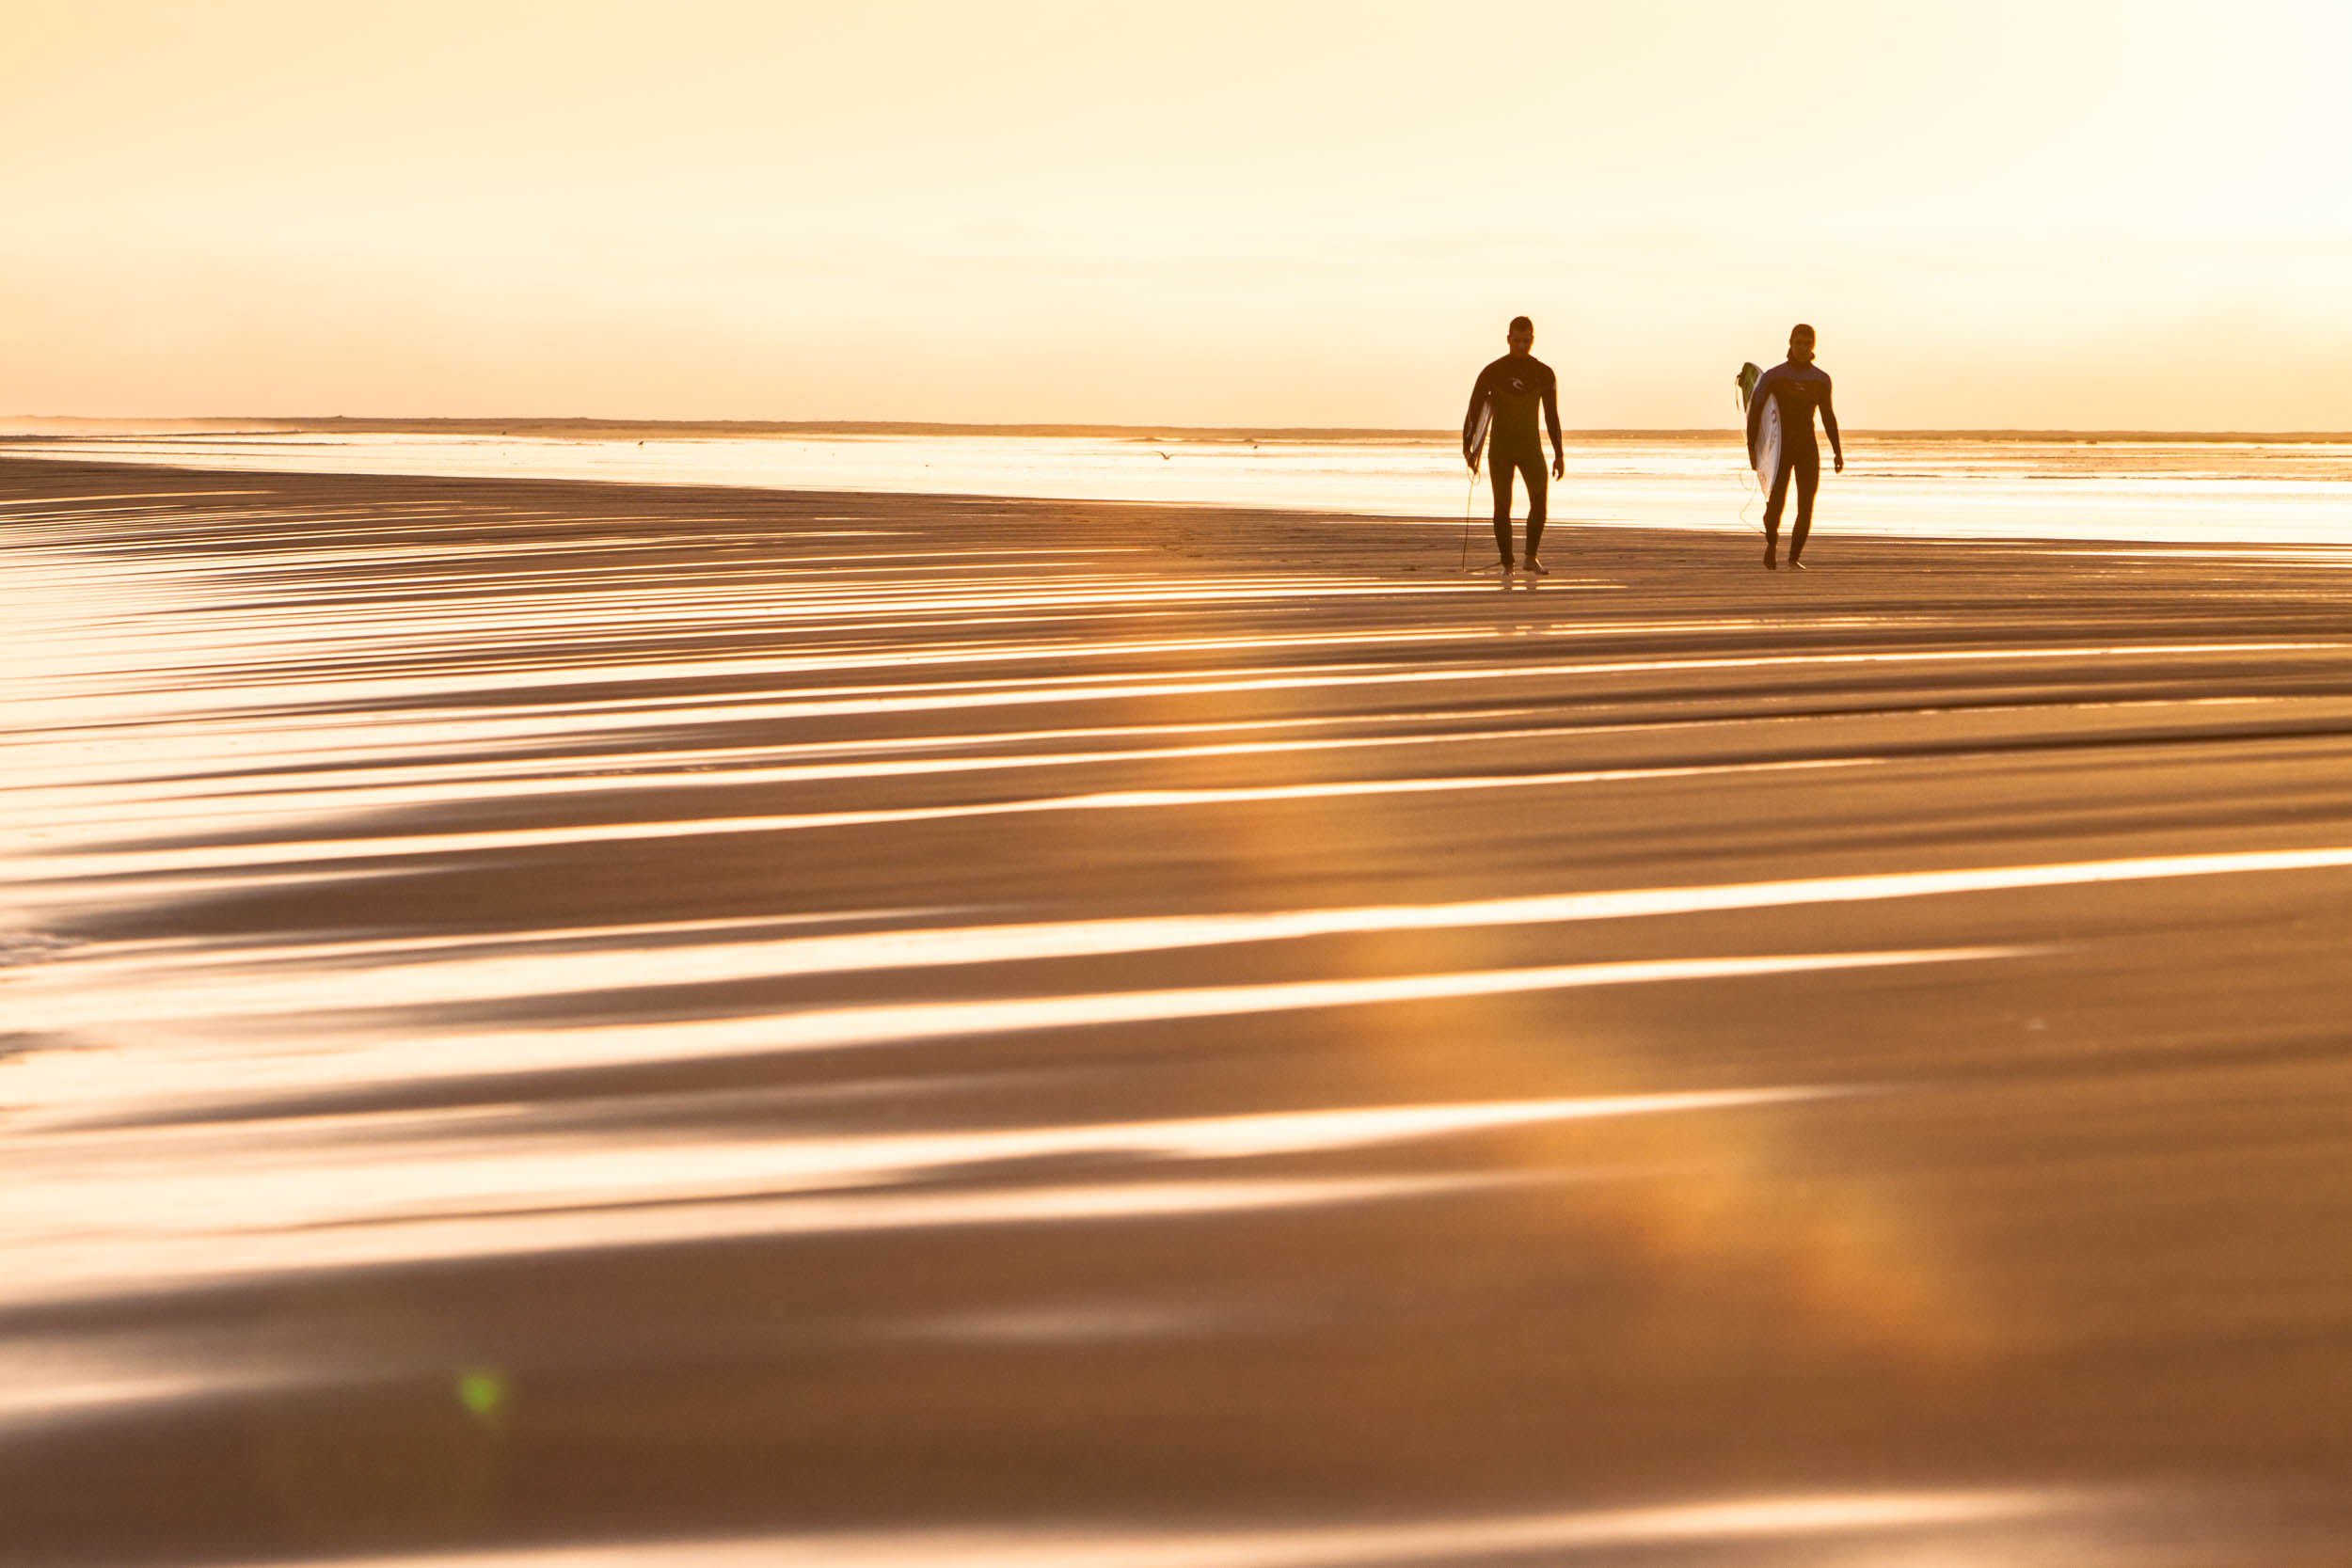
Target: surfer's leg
(1772, 505)
(1499, 466)
(1539, 495)
(1807, 462)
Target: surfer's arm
(1551, 423)
(1829, 422)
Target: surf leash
(1751, 491)
(1470, 503)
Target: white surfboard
(1767, 445)
(1474, 444)
(1767, 426)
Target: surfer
(1502, 410)
(1799, 386)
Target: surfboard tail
(1474, 439)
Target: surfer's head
(1521, 335)
(1801, 343)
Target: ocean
(2157, 491)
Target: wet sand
(703, 1025)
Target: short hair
(1800, 330)
(1520, 324)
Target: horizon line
(531, 425)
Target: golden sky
(2066, 213)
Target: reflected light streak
(243, 1065)
(1990, 1523)
(224, 808)
(61, 801)
(225, 856)
(336, 758)
(104, 1265)
(1026, 689)
(86, 793)
(80, 503)
(162, 982)
(385, 1186)
(382, 1168)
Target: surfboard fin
(1750, 374)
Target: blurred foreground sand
(916, 1029)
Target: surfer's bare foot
(1506, 566)
(1534, 568)
(1771, 555)
(1796, 566)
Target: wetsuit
(1514, 383)
(1801, 389)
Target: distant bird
(1164, 457)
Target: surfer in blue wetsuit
(1503, 409)
(1799, 387)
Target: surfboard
(1474, 442)
(1768, 445)
(1767, 428)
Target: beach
(551, 1021)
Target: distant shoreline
(76, 429)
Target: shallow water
(2227, 492)
(628, 1024)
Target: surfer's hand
(1560, 467)
(1837, 463)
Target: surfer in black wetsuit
(1512, 388)
(1801, 387)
